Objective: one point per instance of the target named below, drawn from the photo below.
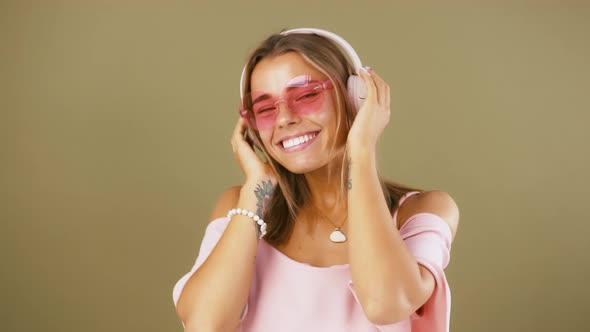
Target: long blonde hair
(292, 192)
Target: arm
(217, 292)
(215, 295)
(389, 282)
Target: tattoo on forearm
(349, 174)
(263, 194)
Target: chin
(306, 164)
(301, 167)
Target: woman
(323, 243)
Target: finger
(239, 128)
(381, 87)
(388, 98)
(370, 84)
(237, 133)
(248, 139)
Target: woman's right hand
(252, 166)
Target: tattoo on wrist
(263, 194)
(349, 175)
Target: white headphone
(357, 90)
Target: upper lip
(296, 135)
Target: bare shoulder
(437, 202)
(227, 201)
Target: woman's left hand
(373, 116)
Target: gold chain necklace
(337, 235)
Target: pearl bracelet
(257, 219)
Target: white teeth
(298, 140)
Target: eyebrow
(268, 96)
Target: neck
(325, 187)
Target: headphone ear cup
(357, 92)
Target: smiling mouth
(298, 143)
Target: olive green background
(115, 125)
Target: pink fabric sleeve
(212, 235)
(428, 237)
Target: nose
(285, 116)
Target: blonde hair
(292, 191)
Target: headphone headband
(343, 44)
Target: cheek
(327, 114)
(331, 106)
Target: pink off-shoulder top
(287, 295)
